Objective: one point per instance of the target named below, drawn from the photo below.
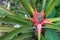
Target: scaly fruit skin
(39, 20)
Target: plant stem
(39, 27)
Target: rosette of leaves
(27, 30)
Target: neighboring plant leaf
(58, 13)
(43, 4)
(43, 38)
(38, 7)
(23, 36)
(51, 34)
(33, 3)
(58, 2)
(13, 16)
(8, 20)
(52, 26)
(57, 23)
(27, 6)
(48, 3)
(52, 13)
(22, 12)
(10, 35)
(6, 28)
(49, 9)
(54, 19)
